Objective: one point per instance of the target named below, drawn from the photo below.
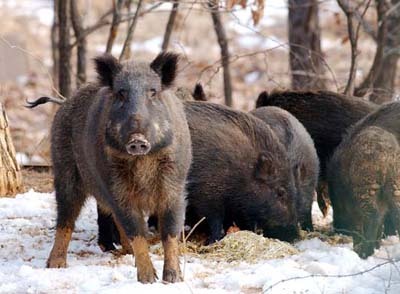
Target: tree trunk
(54, 41)
(383, 86)
(77, 25)
(64, 49)
(10, 173)
(170, 26)
(223, 44)
(305, 45)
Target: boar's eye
(122, 94)
(281, 192)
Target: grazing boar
(124, 140)
(302, 156)
(326, 116)
(240, 174)
(364, 179)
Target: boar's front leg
(171, 213)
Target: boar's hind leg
(108, 234)
(171, 219)
(70, 197)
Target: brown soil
(38, 180)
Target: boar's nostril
(138, 147)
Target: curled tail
(43, 100)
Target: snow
(26, 235)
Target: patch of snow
(24, 159)
(26, 236)
(252, 77)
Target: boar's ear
(262, 99)
(265, 168)
(165, 65)
(107, 66)
(198, 93)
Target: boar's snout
(138, 145)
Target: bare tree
(381, 77)
(223, 44)
(64, 48)
(305, 45)
(77, 25)
(170, 25)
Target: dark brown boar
(126, 141)
(240, 174)
(326, 116)
(302, 156)
(364, 179)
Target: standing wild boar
(364, 179)
(302, 156)
(126, 141)
(240, 174)
(326, 116)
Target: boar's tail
(198, 93)
(43, 100)
(262, 99)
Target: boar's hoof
(146, 274)
(171, 275)
(56, 262)
(107, 247)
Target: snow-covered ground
(26, 235)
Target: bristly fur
(107, 66)
(165, 65)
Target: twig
(38, 60)
(102, 22)
(331, 276)
(126, 49)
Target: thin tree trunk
(170, 25)
(305, 45)
(10, 173)
(114, 24)
(223, 44)
(64, 49)
(77, 25)
(54, 41)
(368, 82)
(126, 49)
(385, 81)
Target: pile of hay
(248, 246)
(239, 246)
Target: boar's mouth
(138, 145)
